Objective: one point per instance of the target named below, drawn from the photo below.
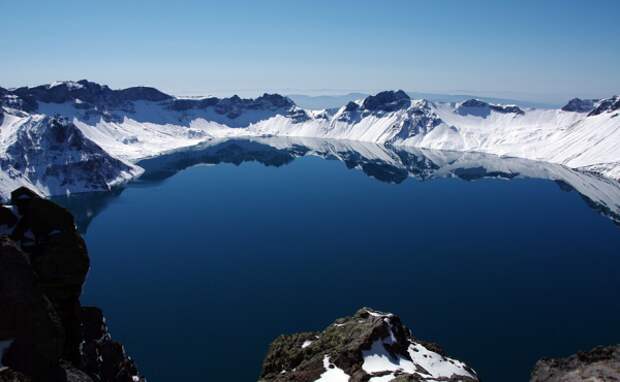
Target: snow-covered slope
(580, 140)
(135, 123)
(53, 156)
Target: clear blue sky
(544, 49)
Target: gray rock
(344, 346)
(601, 364)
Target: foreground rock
(369, 346)
(42, 267)
(600, 364)
(30, 320)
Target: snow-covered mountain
(127, 125)
(52, 155)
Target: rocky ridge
(477, 107)
(368, 346)
(606, 105)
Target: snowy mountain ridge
(119, 127)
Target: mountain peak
(580, 105)
(388, 100)
(361, 347)
(474, 102)
(606, 105)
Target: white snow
(28, 151)
(379, 314)
(70, 84)
(306, 344)
(575, 140)
(378, 360)
(437, 365)
(332, 373)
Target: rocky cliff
(34, 331)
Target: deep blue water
(198, 272)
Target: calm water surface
(199, 270)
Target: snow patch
(306, 344)
(332, 373)
(423, 361)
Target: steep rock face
(600, 364)
(54, 153)
(35, 327)
(24, 307)
(369, 346)
(103, 358)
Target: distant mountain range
(336, 101)
(82, 136)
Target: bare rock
(601, 364)
(358, 348)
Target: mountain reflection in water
(390, 164)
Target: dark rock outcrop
(51, 337)
(28, 317)
(89, 92)
(387, 101)
(579, 105)
(474, 103)
(482, 109)
(102, 358)
(234, 106)
(8, 99)
(606, 105)
(182, 104)
(351, 106)
(600, 364)
(507, 109)
(378, 104)
(368, 344)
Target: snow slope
(53, 156)
(136, 123)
